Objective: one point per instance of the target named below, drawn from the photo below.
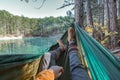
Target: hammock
(99, 62)
(102, 65)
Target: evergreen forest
(11, 25)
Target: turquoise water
(26, 46)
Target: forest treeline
(20, 25)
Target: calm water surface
(26, 46)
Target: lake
(37, 45)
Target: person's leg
(77, 70)
(49, 58)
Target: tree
(118, 8)
(101, 12)
(106, 15)
(79, 12)
(89, 14)
(113, 22)
(107, 21)
(102, 15)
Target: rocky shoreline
(11, 38)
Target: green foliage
(20, 25)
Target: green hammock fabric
(19, 66)
(100, 63)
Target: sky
(18, 7)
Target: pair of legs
(77, 70)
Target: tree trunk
(79, 12)
(99, 34)
(113, 22)
(106, 15)
(102, 15)
(99, 11)
(88, 13)
(118, 8)
(107, 21)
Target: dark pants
(77, 70)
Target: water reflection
(26, 46)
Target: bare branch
(41, 4)
(66, 1)
(28, 0)
(65, 5)
(73, 8)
